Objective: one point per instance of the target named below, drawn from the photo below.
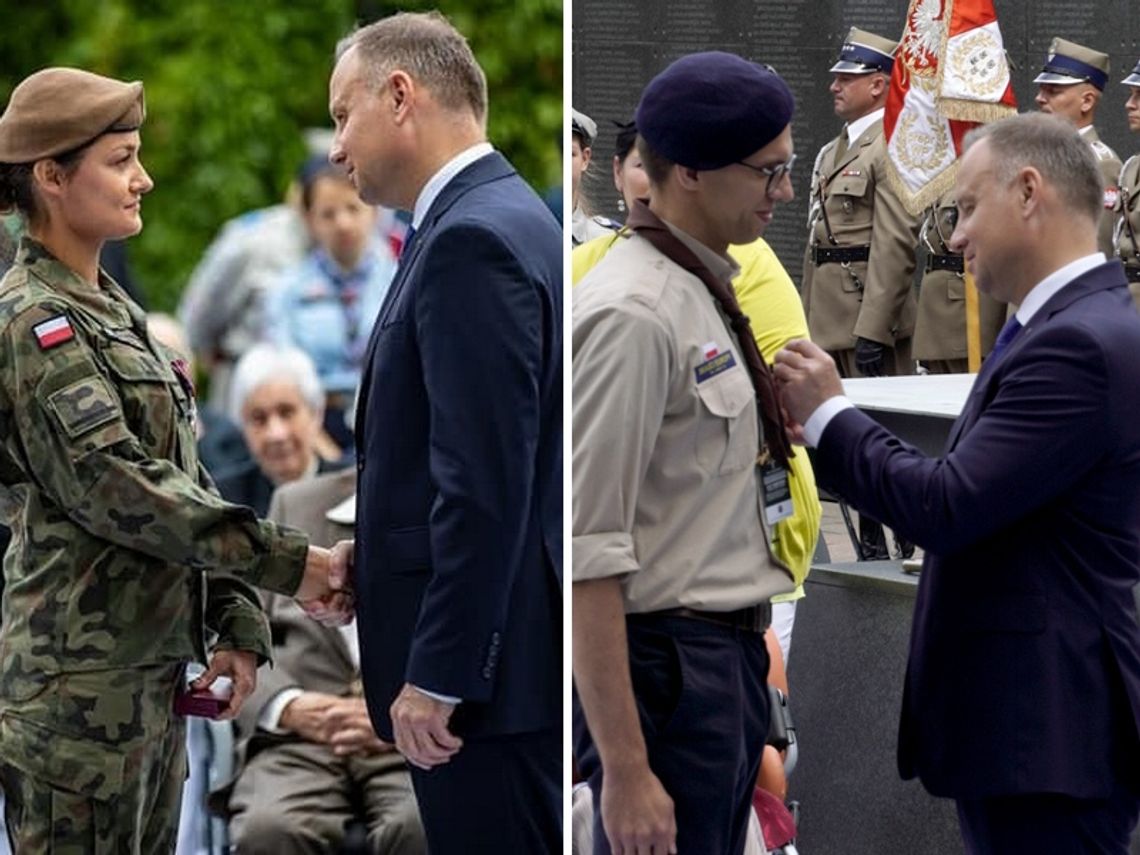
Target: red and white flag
(950, 75)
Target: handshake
(326, 592)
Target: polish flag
(53, 331)
(950, 75)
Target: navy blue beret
(707, 110)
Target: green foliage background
(230, 84)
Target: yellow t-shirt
(767, 295)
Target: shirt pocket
(849, 191)
(145, 389)
(726, 433)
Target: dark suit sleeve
(1045, 428)
(478, 321)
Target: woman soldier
(124, 563)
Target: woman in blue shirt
(326, 305)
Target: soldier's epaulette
(606, 222)
(1128, 172)
(1102, 151)
(15, 295)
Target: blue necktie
(1008, 332)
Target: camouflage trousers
(94, 763)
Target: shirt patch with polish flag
(1111, 197)
(850, 173)
(710, 349)
(53, 331)
(717, 365)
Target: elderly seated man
(312, 774)
(277, 400)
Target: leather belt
(839, 254)
(1133, 274)
(953, 263)
(752, 619)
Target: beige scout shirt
(666, 491)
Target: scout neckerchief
(772, 438)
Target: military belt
(945, 262)
(752, 619)
(1133, 273)
(839, 254)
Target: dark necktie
(1008, 333)
(409, 238)
(772, 437)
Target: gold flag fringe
(963, 110)
(917, 202)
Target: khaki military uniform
(124, 561)
(1110, 167)
(584, 228)
(1128, 225)
(665, 438)
(872, 298)
(940, 328)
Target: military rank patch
(710, 368)
(53, 331)
(86, 404)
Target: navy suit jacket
(1024, 670)
(458, 561)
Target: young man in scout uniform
(678, 474)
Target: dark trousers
(497, 795)
(1048, 822)
(701, 693)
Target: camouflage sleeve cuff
(246, 629)
(283, 566)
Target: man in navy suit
(457, 566)
(1022, 694)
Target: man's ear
(1029, 185)
(401, 94)
(688, 177)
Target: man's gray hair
(430, 50)
(268, 363)
(1054, 148)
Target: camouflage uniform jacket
(123, 555)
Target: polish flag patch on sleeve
(53, 331)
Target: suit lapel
(1102, 277)
(487, 168)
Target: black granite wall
(618, 45)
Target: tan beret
(59, 109)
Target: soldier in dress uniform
(124, 564)
(1070, 85)
(940, 328)
(584, 226)
(1127, 233)
(857, 286)
(859, 265)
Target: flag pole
(973, 326)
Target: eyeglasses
(775, 173)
